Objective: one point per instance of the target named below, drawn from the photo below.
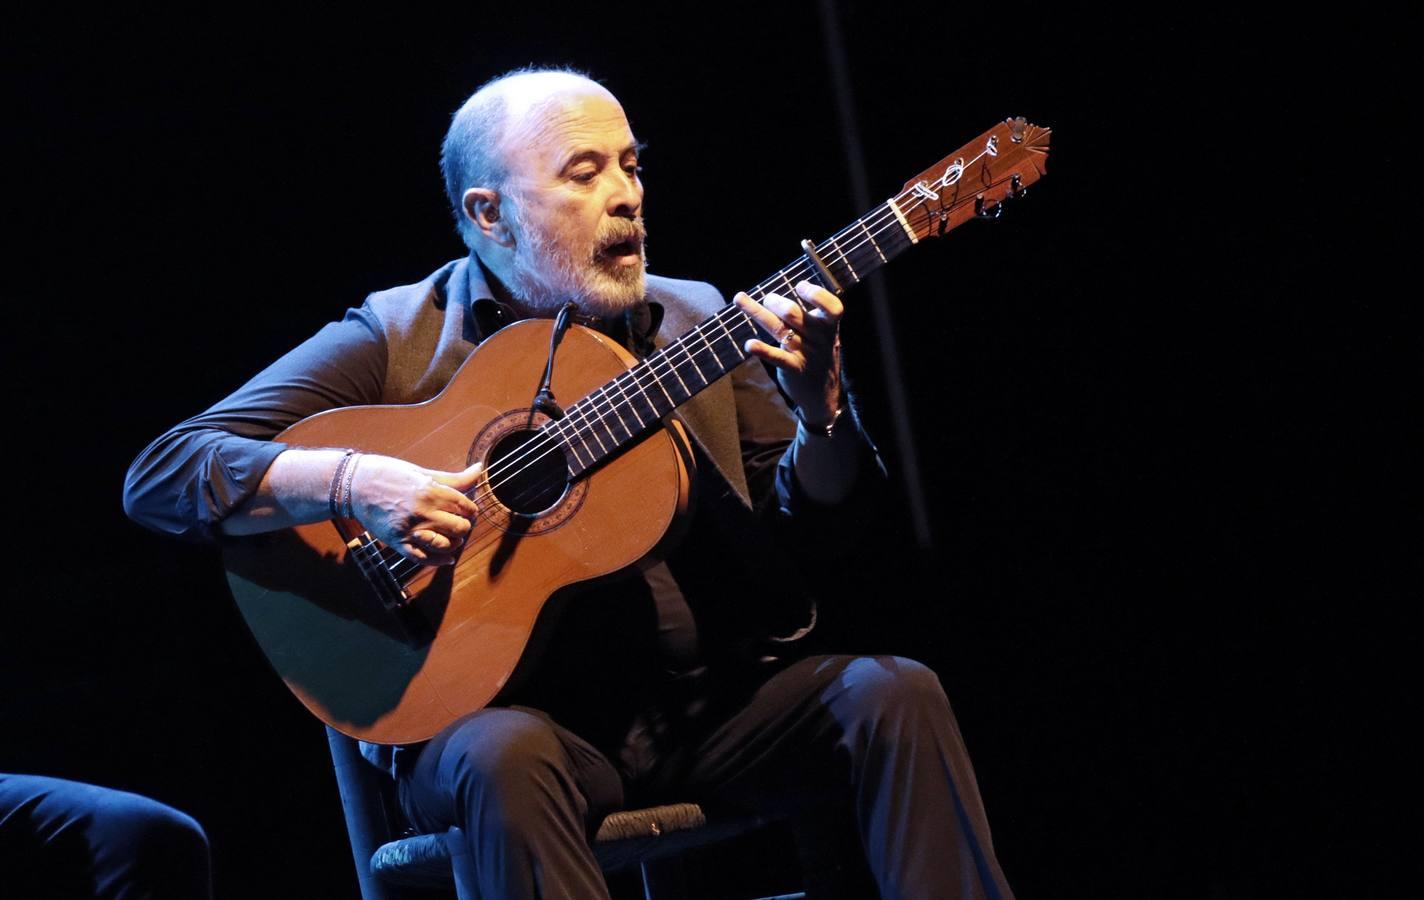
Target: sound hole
(527, 480)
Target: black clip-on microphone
(544, 400)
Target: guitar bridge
(389, 591)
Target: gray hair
(470, 155)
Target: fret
(835, 245)
(602, 424)
(659, 382)
(686, 352)
(613, 407)
(587, 445)
(711, 348)
(791, 288)
(558, 426)
(742, 329)
(648, 411)
(638, 383)
(590, 427)
(893, 239)
(865, 252)
(861, 223)
(678, 375)
(578, 463)
(726, 336)
(594, 415)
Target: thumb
(463, 480)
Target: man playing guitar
(680, 679)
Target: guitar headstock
(975, 180)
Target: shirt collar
(635, 328)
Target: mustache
(619, 231)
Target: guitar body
(398, 676)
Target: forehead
(547, 133)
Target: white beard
(547, 274)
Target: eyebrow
(635, 148)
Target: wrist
(339, 497)
(822, 426)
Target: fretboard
(626, 407)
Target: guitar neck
(974, 182)
(626, 407)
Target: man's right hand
(423, 514)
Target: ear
(481, 207)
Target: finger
(828, 304)
(463, 480)
(410, 552)
(784, 359)
(455, 529)
(431, 540)
(424, 557)
(451, 492)
(788, 311)
(764, 318)
(429, 549)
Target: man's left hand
(808, 348)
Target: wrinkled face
(573, 201)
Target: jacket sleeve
(189, 479)
(767, 429)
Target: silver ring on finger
(786, 336)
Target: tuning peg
(983, 211)
(1016, 188)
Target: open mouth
(624, 253)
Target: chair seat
(624, 839)
(422, 861)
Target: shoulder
(685, 303)
(400, 308)
(698, 295)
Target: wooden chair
(392, 867)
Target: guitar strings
(553, 433)
(593, 415)
(659, 367)
(799, 268)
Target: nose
(626, 198)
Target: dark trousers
(65, 839)
(872, 733)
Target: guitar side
(400, 677)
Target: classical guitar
(390, 651)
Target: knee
(151, 837)
(503, 755)
(152, 824)
(889, 690)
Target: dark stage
(1154, 406)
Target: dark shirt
(630, 643)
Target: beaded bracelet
(346, 491)
(334, 495)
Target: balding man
(677, 682)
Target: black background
(1156, 404)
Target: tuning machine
(984, 210)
